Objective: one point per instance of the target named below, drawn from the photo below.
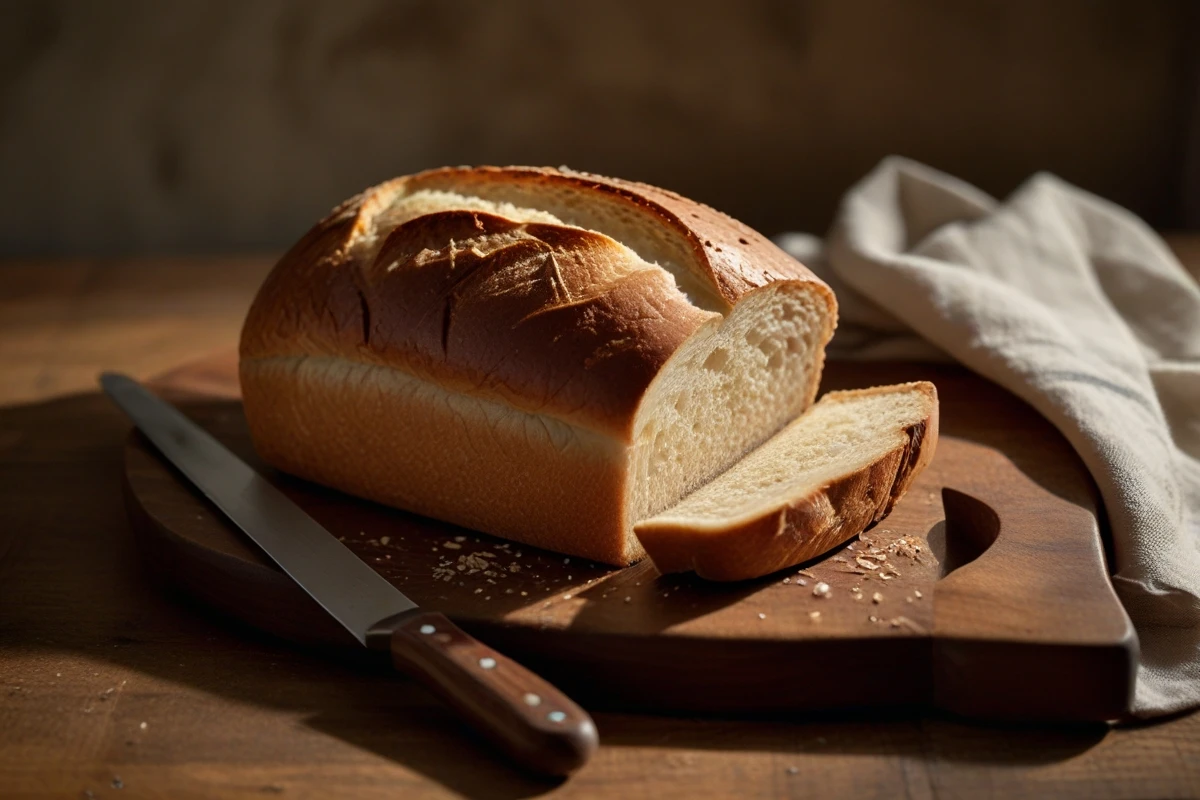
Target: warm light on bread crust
(545, 355)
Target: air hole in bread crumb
(742, 241)
(769, 347)
(776, 360)
(707, 243)
(717, 359)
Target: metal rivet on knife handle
(502, 699)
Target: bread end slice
(829, 475)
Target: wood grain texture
(229, 712)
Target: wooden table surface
(112, 688)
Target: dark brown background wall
(131, 127)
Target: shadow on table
(924, 735)
(71, 581)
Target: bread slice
(544, 355)
(829, 475)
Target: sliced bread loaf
(542, 355)
(830, 474)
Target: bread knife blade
(526, 717)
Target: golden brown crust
(379, 434)
(733, 257)
(804, 528)
(582, 347)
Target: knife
(534, 723)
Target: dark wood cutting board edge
(1015, 619)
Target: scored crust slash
(560, 359)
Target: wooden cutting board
(991, 599)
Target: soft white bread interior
(833, 472)
(546, 356)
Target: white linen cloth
(1076, 306)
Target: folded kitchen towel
(1075, 305)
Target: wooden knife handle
(522, 714)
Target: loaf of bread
(835, 471)
(544, 355)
